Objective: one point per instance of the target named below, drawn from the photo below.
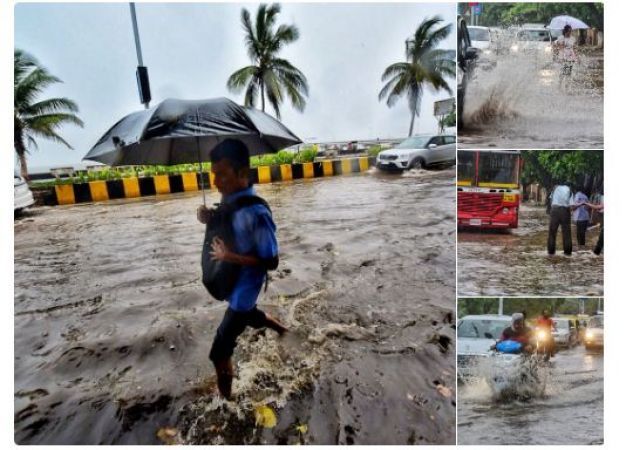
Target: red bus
(488, 188)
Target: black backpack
(220, 277)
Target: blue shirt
(581, 213)
(255, 235)
(562, 196)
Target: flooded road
(113, 327)
(516, 262)
(519, 104)
(569, 411)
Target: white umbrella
(559, 22)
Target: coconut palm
(425, 66)
(34, 118)
(269, 75)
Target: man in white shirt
(561, 202)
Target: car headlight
(505, 210)
(514, 47)
(487, 52)
(589, 335)
(547, 49)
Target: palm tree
(425, 66)
(35, 118)
(269, 75)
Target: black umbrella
(186, 131)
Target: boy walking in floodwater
(255, 251)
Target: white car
(594, 334)
(565, 333)
(535, 42)
(481, 37)
(22, 196)
(418, 152)
(476, 335)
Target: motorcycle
(515, 369)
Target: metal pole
(133, 17)
(500, 306)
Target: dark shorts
(233, 324)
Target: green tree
(506, 14)
(34, 118)
(269, 75)
(550, 167)
(425, 65)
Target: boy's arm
(265, 244)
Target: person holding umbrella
(255, 251)
(218, 130)
(566, 54)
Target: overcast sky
(191, 49)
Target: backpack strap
(250, 200)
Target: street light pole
(143, 82)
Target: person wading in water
(254, 251)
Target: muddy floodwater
(519, 103)
(568, 411)
(516, 262)
(113, 327)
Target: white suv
(418, 152)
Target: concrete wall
(96, 191)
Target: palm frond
(238, 80)
(50, 105)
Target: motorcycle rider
(518, 332)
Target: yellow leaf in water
(168, 435)
(302, 428)
(265, 416)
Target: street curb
(98, 191)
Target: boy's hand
(204, 214)
(219, 251)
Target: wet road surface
(113, 327)
(519, 105)
(569, 411)
(516, 262)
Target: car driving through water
(418, 152)
(594, 334)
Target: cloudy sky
(191, 49)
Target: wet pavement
(516, 262)
(519, 104)
(113, 327)
(569, 409)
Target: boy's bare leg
(224, 371)
(275, 325)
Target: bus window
(465, 167)
(498, 168)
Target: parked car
(475, 336)
(466, 61)
(418, 152)
(594, 334)
(565, 333)
(22, 196)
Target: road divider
(97, 191)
